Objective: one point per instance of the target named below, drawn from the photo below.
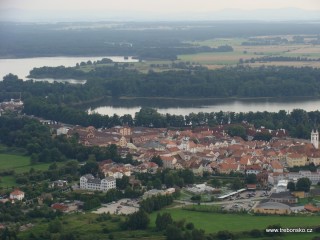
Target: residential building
(62, 131)
(168, 161)
(296, 159)
(17, 195)
(314, 177)
(276, 166)
(253, 169)
(89, 182)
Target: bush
(255, 233)
(190, 226)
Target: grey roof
(273, 205)
(95, 181)
(88, 176)
(153, 144)
(110, 179)
(286, 195)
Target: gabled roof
(276, 165)
(16, 192)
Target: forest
(240, 81)
(144, 40)
(56, 101)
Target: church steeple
(315, 138)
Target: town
(222, 172)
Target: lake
(22, 66)
(184, 107)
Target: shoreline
(226, 98)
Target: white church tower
(315, 138)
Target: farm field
(214, 222)
(19, 164)
(217, 60)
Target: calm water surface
(22, 66)
(179, 107)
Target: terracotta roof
(276, 165)
(173, 149)
(16, 192)
(296, 155)
(311, 208)
(245, 160)
(253, 167)
(167, 158)
(225, 166)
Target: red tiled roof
(16, 192)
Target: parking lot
(123, 206)
(239, 206)
(234, 203)
(249, 194)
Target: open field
(289, 236)
(216, 60)
(19, 163)
(214, 222)
(290, 64)
(7, 182)
(86, 225)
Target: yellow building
(296, 159)
(272, 208)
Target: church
(315, 138)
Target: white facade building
(315, 138)
(17, 194)
(314, 177)
(89, 182)
(62, 131)
(282, 186)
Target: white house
(62, 131)
(89, 182)
(17, 194)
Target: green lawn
(7, 182)
(19, 163)
(289, 236)
(214, 222)
(87, 227)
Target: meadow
(86, 226)
(217, 60)
(214, 222)
(19, 164)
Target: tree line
(240, 81)
(298, 123)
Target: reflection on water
(184, 107)
(51, 80)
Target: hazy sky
(122, 10)
(158, 5)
